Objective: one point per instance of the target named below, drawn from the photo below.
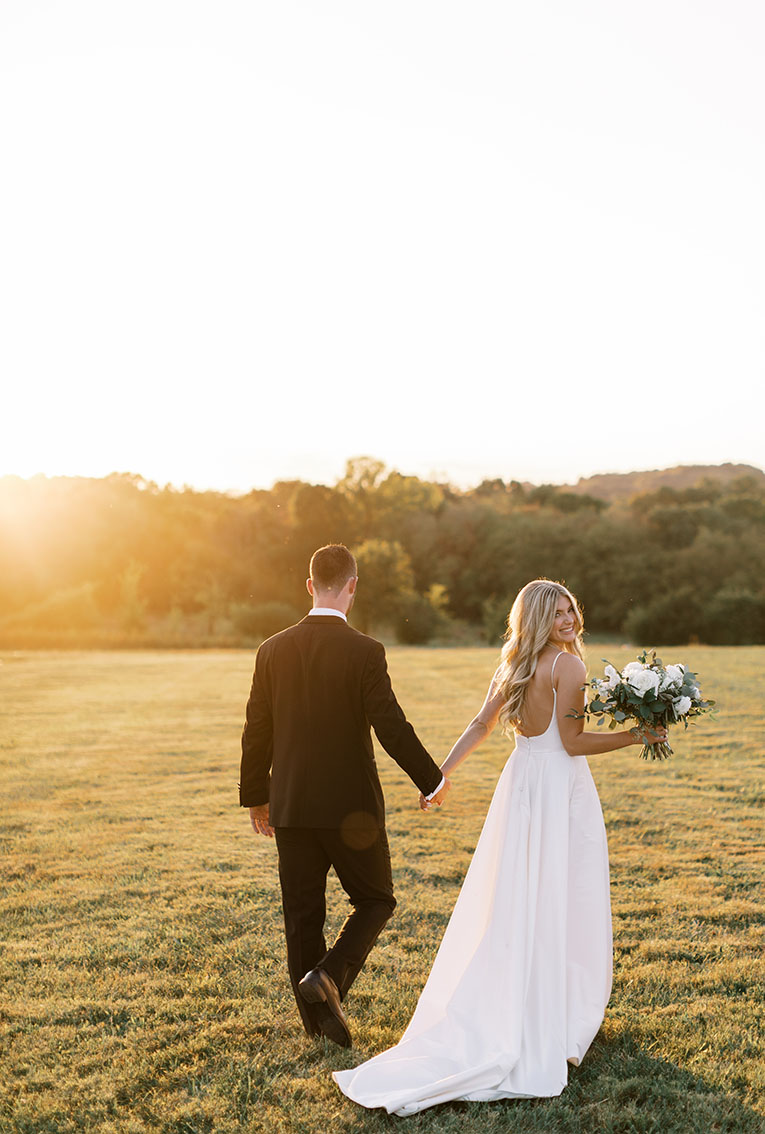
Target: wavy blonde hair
(529, 626)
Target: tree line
(121, 561)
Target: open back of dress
(522, 978)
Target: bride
(520, 983)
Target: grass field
(143, 974)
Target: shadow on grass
(620, 1089)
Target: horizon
(386, 471)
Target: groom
(309, 777)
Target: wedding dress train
(521, 981)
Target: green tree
(132, 603)
(386, 583)
(734, 617)
(667, 619)
(359, 487)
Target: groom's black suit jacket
(306, 746)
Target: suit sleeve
(257, 745)
(393, 730)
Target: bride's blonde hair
(529, 626)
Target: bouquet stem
(661, 751)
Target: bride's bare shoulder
(570, 668)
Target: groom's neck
(330, 601)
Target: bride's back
(540, 702)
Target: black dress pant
(361, 860)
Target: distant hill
(612, 486)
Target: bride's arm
(571, 675)
(476, 732)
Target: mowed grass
(144, 985)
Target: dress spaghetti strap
(552, 671)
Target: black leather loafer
(318, 987)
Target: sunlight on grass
(143, 958)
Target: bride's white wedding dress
(521, 981)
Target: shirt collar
(327, 610)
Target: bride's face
(566, 623)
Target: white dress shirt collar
(327, 610)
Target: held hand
(260, 821)
(645, 735)
(438, 798)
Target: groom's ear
(352, 584)
(309, 586)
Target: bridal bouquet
(649, 693)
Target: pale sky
(244, 240)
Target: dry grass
(143, 961)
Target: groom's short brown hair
(331, 567)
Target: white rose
(644, 682)
(601, 691)
(682, 705)
(675, 675)
(695, 692)
(612, 678)
(632, 668)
